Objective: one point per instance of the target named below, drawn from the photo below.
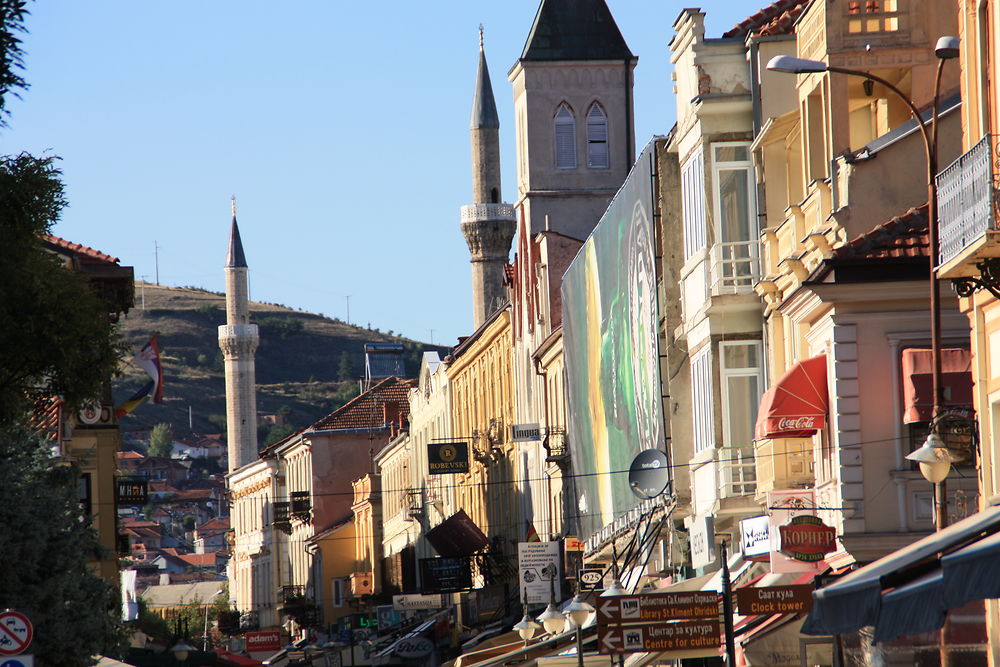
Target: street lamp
(204, 646)
(933, 457)
(946, 48)
(553, 622)
(181, 650)
(614, 589)
(578, 611)
(526, 628)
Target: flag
(148, 359)
(532, 533)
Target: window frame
(695, 217)
(592, 142)
(702, 401)
(725, 373)
(564, 121)
(752, 227)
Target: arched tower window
(597, 138)
(565, 134)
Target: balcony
(735, 267)
(487, 212)
(783, 463)
(292, 593)
(282, 517)
(967, 221)
(737, 472)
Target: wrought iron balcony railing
(967, 198)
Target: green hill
(307, 364)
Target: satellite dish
(649, 473)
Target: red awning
(796, 405)
(956, 381)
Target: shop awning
(956, 380)
(910, 590)
(458, 535)
(796, 405)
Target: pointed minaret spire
(238, 340)
(484, 106)
(235, 258)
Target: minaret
(238, 341)
(487, 224)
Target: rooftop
(575, 30)
(778, 18)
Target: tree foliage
(46, 545)
(12, 14)
(57, 338)
(161, 440)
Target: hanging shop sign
(703, 541)
(446, 575)
(447, 458)
(131, 491)
(751, 601)
(807, 538)
(525, 433)
(755, 537)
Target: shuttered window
(597, 138)
(565, 133)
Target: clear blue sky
(341, 127)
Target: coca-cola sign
(793, 426)
(807, 538)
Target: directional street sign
(658, 607)
(15, 633)
(774, 599)
(679, 636)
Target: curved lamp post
(526, 628)
(946, 48)
(553, 622)
(933, 457)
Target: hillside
(307, 365)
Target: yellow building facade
(482, 412)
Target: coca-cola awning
(796, 405)
(956, 382)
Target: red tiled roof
(903, 236)
(78, 249)
(775, 19)
(199, 560)
(386, 401)
(214, 524)
(129, 455)
(46, 416)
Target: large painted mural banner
(611, 351)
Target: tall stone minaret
(238, 341)
(487, 224)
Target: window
(565, 134)
(693, 204)
(741, 390)
(733, 193)
(701, 400)
(871, 16)
(597, 138)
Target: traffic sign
(15, 633)
(679, 636)
(590, 578)
(658, 607)
(18, 661)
